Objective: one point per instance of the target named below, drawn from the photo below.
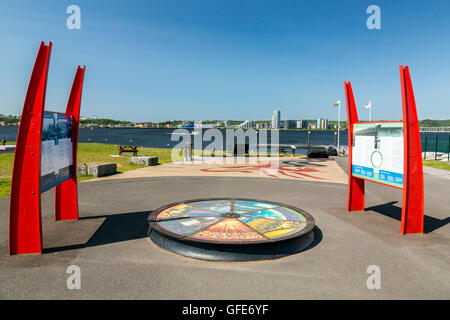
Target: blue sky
(166, 60)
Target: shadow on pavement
(116, 228)
(389, 209)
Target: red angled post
(66, 195)
(413, 191)
(25, 231)
(355, 191)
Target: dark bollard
(425, 150)
(436, 148)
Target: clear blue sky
(166, 60)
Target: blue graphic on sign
(391, 177)
(363, 171)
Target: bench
(285, 150)
(133, 149)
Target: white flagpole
(370, 111)
(339, 125)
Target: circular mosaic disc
(231, 221)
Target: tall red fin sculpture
(25, 234)
(66, 197)
(25, 226)
(413, 191)
(355, 192)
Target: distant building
(199, 124)
(288, 124)
(276, 119)
(302, 124)
(225, 124)
(140, 125)
(247, 124)
(263, 125)
(322, 124)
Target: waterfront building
(247, 124)
(141, 125)
(225, 124)
(288, 124)
(322, 124)
(276, 119)
(302, 124)
(263, 125)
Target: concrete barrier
(99, 169)
(82, 170)
(144, 160)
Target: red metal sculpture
(413, 192)
(355, 196)
(66, 196)
(25, 230)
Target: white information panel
(56, 159)
(378, 152)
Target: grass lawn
(97, 152)
(437, 164)
(87, 152)
(5, 187)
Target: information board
(377, 153)
(57, 150)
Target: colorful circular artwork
(231, 221)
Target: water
(161, 137)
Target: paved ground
(282, 168)
(117, 260)
(437, 172)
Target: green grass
(437, 164)
(87, 152)
(6, 164)
(5, 187)
(98, 152)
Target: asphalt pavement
(118, 261)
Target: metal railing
(434, 129)
(436, 144)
